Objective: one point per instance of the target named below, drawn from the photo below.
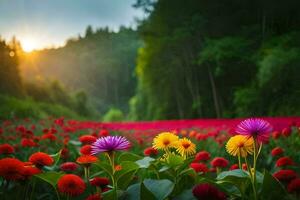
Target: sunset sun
(29, 44)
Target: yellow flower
(185, 147)
(165, 141)
(240, 145)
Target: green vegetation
(12, 107)
(113, 115)
(101, 63)
(218, 59)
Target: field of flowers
(182, 160)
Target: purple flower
(257, 128)
(110, 143)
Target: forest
(185, 60)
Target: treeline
(20, 98)
(101, 63)
(187, 59)
(211, 58)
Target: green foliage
(150, 189)
(217, 59)
(27, 108)
(10, 80)
(272, 188)
(50, 177)
(113, 115)
(101, 63)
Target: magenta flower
(109, 144)
(257, 128)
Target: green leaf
(133, 192)
(76, 143)
(125, 175)
(97, 174)
(138, 192)
(160, 188)
(174, 160)
(188, 171)
(185, 195)
(126, 179)
(164, 168)
(146, 194)
(150, 189)
(112, 194)
(233, 173)
(145, 162)
(105, 167)
(127, 156)
(127, 166)
(231, 180)
(56, 158)
(49, 177)
(272, 188)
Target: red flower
(103, 133)
(6, 149)
(287, 132)
(49, 136)
(65, 153)
(86, 159)
(94, 197)
(99, 181)
(199, 167)
(118, 167)
(59, 122)
(294, 186)
(68, 166)
(276, 151)
(202, 156)
(32, 127)
(208, 191)
(71, 185)
(52, 130)
(285, 175)
(219, 162)
(11, 168)
(244, 167)
(234, 166)
(87, 139)
(29, 171)
(86, 149)
(284, 161)
(276, 134)
(150, 151)
(28, 143)
(105, 189)
(192, 134)
(41, 159)
(66, 140)
(21, 129)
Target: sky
(48, 23)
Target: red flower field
(40, 157)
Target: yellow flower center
(166, 142)
(240, 144)
(186, 145)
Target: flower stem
(239, 159)
(218, 170)
(33, 188)
(86, 173)
(111, 158)
(255, 155)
